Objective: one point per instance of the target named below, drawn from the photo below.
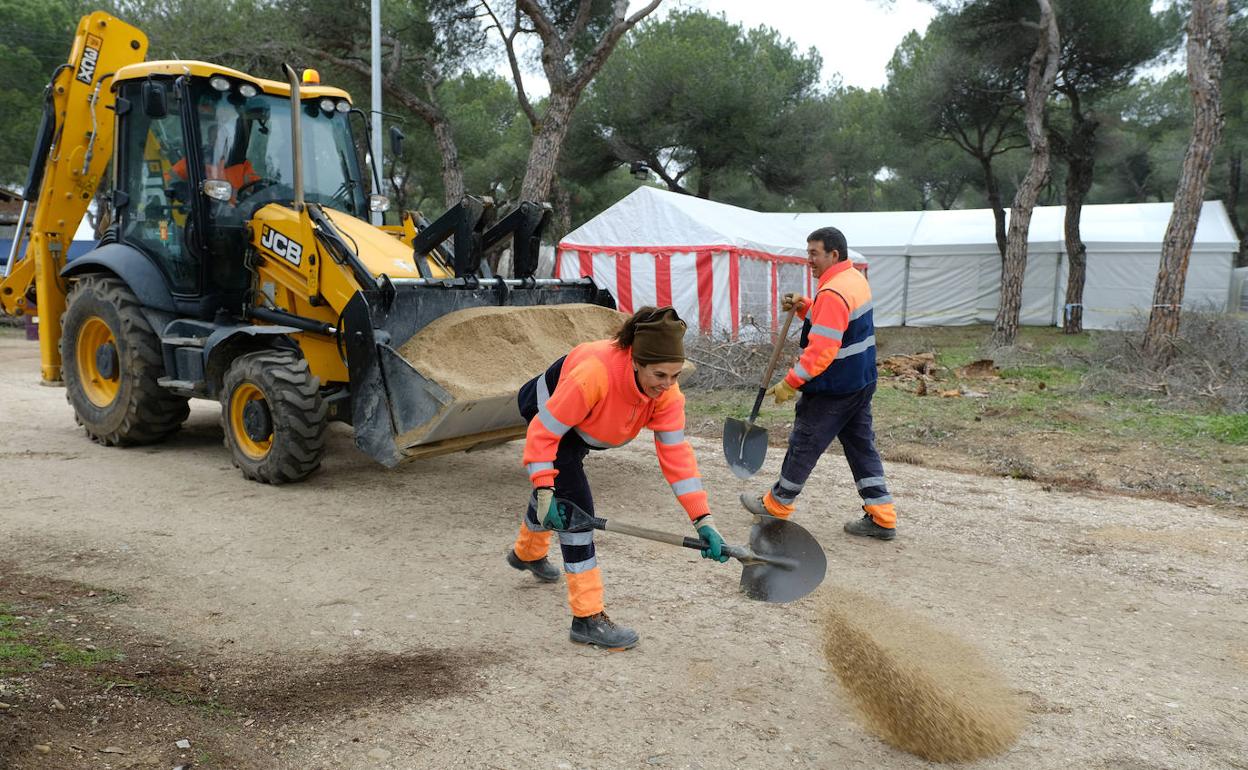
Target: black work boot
(600, 630)
(866, 527)
(542, 569)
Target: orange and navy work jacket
(597, 396)
(838, 337)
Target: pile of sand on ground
(918, 688)
(491, 351)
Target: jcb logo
(90, 57)
(282, 246)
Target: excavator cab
(239, 265)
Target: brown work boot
(542, 569)
(600, 630)
(866, 527)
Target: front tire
(111, 362)
(274, 417)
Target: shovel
(783, 562)
(745, 444)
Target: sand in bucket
(919, 689)
(488, 352)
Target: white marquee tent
(724, 267)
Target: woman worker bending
(600, 395)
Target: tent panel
(943, 291)
(754, 290)
(1119, 289)
(888, 276)
(685, 289)
(1039, 287)
(644, 289)
(721, 311)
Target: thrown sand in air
(916, 687)
(489, 352)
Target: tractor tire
(111, 362)
(273, 416)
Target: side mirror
(396, 141)
(155, 101)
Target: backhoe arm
(72, 153)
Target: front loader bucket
(435, 366)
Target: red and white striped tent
(722, 267)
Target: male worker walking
(836, 375)
(600, 395)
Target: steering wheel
(251, 188)
(342, 196)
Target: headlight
(219, 83)
(378, 203)
(344, 106)
(218, 189)
(248, 90)
(327, 106)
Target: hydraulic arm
(71, 155)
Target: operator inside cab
(225, 157)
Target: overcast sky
(856, 38)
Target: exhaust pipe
(296, 134)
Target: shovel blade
(745, 447)
(780, 584)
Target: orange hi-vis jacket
(839, 336)
(597, 396)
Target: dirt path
(1124, 623)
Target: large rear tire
(274, 417)
(111, 362)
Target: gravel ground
(1122, 623)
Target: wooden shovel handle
(775, 354)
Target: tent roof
(871, 232)
(1132, 225)
(650, 217)
(1104, 227)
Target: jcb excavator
(238, 265)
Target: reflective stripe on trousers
(580, 562)
(820, 418)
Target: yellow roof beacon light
(311, 78)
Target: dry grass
(1208, 372)
(725, 364)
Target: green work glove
(715, 542)
(548, 512)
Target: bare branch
(598, 57)
(509, 43)
(580, 23)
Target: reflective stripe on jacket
(597, 396)
(838, 337)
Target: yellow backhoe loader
(235, 268)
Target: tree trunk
(1042, 71)
(452, 172)
(1207, 42)
(567, 79)
(547, 143)
(1080, 159)
(561, 216)
(704, 184)
(994, 200)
